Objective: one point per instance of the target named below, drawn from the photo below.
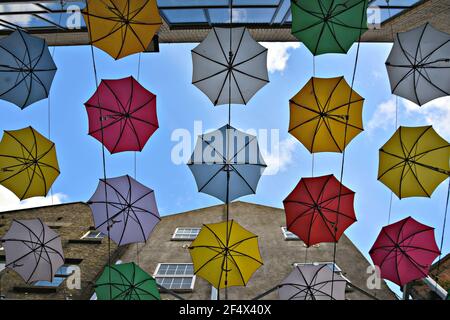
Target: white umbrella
(419, 64)
(229, 66)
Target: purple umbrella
(33, 250)
(126, 207)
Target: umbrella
(229, 71)
(33, 250)
(126, 282)
(26, 69)
(225, 254)
(319, 209)
(28, 163)
(227, 163)
(404, 251)
(121, 27)
(122, 115)
(418, 65)
(124, 209)
(312, 282)
(414, 161)
(326, 114)
(326, 26)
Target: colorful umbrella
(414, 161)
(319, 210)
(404, 251)
(227, 163)
(125, 112)
(229, 71)
(312, 282)
(28, 164)
(326, 114)
(26, 69)
(122, 27)
(329, 26)
(126, 282)
(418, 65)
(124, 209)
(33, 250)
(225, 254)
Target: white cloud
(436, 113)
(20, 19)
(383, 117)
(280, 157)
(8, 201)
(279, 53)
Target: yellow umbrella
(322, 111)
(28, 164)
(225, 254)
(122, 27)
(414, 161)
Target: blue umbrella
(27, 69)
(227, 163)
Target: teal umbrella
(329, 26)
(126, 282)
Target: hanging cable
(103, 149)
(344, 149)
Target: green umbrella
(126, 282)
(329, 26)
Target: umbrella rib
(249, 59)
(220, 45)
(222, 87)
(210, 76)
(243, 179)
(210, 179)
(237, 85)
(251, 76)
(210, 59)
(29, 58)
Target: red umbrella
(404, 251)
(126, 112)
(319, 209)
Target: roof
(190, 20)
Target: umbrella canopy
(319, 210)
(414, 161)
(404, 251)
(229, 71)
(126, 207)
(33, 250)
(122, 27)
(225, 254)
(126, 113)
(312, 282)
(329, 26)
(227, 163)
(126, 282)
(418, 65)
(27, 69)
(326, 114)
(28, 163)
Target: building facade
(166, 255)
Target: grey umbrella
(126, 207)
(419, 64)
(227, 163)
(312, 282)
(229, 66)
(26, 69)
(33, 250)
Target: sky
(180, 104)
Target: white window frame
(287, 235)
(337, 269)
(59, 276)
(175, 238)
(99, 236)
(194, 277)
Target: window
(93, 234)
(288, 235)
(2, 263)
(185, 233)
(61, 274)
(175, 276)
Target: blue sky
(168, 75)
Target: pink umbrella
(126, 113)
(404, 251)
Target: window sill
(85, 241)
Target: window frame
(100, 235)
(61, 276)
(174, 238)
(284, 231)
(193, 276)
